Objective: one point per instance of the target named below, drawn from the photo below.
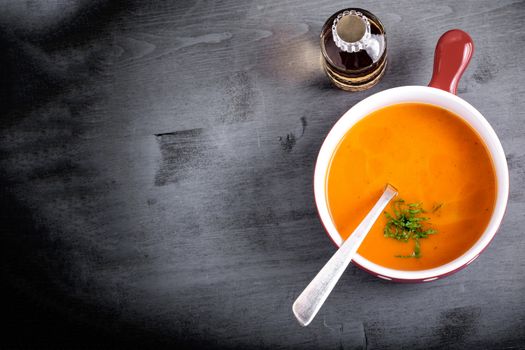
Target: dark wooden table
(156, 162)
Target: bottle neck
(351, 31)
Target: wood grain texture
(156, 163)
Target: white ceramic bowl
(439, 98)
(425, 95)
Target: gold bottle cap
(351, 31)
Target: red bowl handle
(453, 53)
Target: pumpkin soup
(433, 158)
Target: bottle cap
(351, 31)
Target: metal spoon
(314, 295)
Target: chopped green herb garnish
(407, 223)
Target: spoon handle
(312, 298)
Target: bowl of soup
(438, 151)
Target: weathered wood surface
(156, 172)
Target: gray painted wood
(156, 166)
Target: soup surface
(431, 156)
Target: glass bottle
(353, 47)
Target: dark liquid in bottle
(353, 71)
